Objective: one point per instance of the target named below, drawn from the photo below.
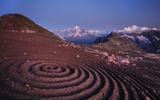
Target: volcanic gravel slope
(39, 68)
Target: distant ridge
(114, 42)
(149, 41)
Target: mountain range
(79, 35)
(146, 38)
(115, 43)
(134, 29)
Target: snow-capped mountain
(146, 38)
(79, 35)
(115, 43)
(134, 29)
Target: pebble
(145, 67)
(97, 55)
(5, 41)
(27, 85)
(134, 64)
(28, 61)
(77, 56)
(137, 67)
(24, 53)
(5, 58)
(43, 89)
(147, 98)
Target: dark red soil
(38, 68)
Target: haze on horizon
(91, 14)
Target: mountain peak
(80, 35)
(77, 30)
(135, 29)
(77, 27)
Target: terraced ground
(39, 68)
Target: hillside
(22, 24)
(114, 42)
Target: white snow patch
(129, 37)
(144, 39)
(156, 38)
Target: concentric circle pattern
(38, 79)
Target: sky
(91, 14)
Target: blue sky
(91, 14)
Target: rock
(133, 64)
(147, 98)
(105, 53)
(97, 55)
(5, 58)
(77, 56)
(125, 61)
(28, 61)
(43, 89)
(27, 85)
(24, 53)
(145, 67)
(5, 41)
